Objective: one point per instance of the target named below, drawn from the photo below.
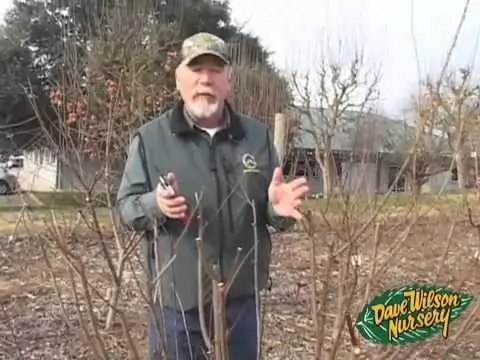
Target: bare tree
(324, 99)
(456, 101)
(422, 144)
(125, 78)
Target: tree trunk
(417, 185)
(328, 173)
(327, 178)
(462, 168)
(325, 160)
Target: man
(228, 161)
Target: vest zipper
(214, 170)
(229, 205)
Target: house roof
(358, 131)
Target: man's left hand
(285, 197)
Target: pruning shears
(165, 184)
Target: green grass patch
(395, 201)
(62, 199)
(65, 205)
(37, 219)
(51, 200)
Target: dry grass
(33, 324)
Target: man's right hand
(170, 203)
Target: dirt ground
(35, 325)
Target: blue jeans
(184, 339)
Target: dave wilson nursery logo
(411, 314)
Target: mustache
(204, 93)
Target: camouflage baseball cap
(202, 44)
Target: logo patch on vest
(249, 164)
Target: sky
(4, 5)
(297, 33)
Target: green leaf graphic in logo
(411, 314)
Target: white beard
(202, 109)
